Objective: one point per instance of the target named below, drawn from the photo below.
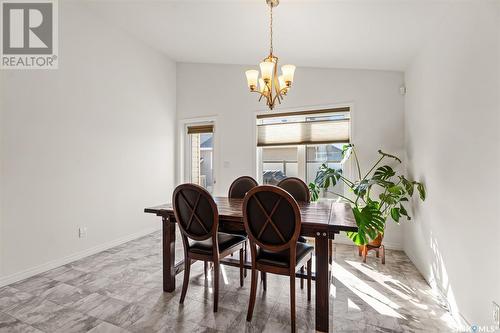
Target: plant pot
(375, 245)
(377, 241)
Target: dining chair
(296, 187)
(198, 219)
(240, 186)
(300, 192)
(272, 221)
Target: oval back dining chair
(198, 219)
(300, 192)
(296, 187)
(240, 186)
(272, 221)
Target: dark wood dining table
(320, 220)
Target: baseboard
(9, 279)
(462, 323)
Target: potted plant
(375, 196)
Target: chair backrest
(272, 218)
(297, 188)
(195, 211)
(241, 186)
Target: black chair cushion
(225, 241)
(282, 259)
(302, 239)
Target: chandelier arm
(280, 96)
(261, 95)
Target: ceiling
(372, 34)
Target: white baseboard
(9, 279)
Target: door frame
(182, 136)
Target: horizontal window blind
(302, 133)
(198, 129)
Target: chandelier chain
(271, 27)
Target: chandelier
(271, 86)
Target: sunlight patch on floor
(224, 274)
(378, 301)
(386, 281)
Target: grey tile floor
(119, 290)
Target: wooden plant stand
(376, 245)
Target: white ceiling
(372, 34)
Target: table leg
(322, 282)
(168, 255)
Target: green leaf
(314, 189)
(388, 198)
(396, 190)
(395, 214)
(403, 211)
(421, 191)
(326, 177)
(346, 148)
(360, 188)
(370, 223)
(357, 238)
(384, 172)
(408, 185)
(389, 155)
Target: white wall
(89, 144)
(452, 141)
(220, 90)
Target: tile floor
(119, 290)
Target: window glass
(201, 160)
(329, 154)
(279, 163)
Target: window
(297, 144)
(200, 155)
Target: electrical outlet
(496, 314)
(82, 232)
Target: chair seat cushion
(302, 239)
(282, 259)
(225, 242)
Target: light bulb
(288, 72)
(252, 77)
(262, 85)
(282, 83)
(266, 69)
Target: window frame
(302, 149)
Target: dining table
(321, 220)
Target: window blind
(198, 129)
(303, 133)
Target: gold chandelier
(271, 86)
